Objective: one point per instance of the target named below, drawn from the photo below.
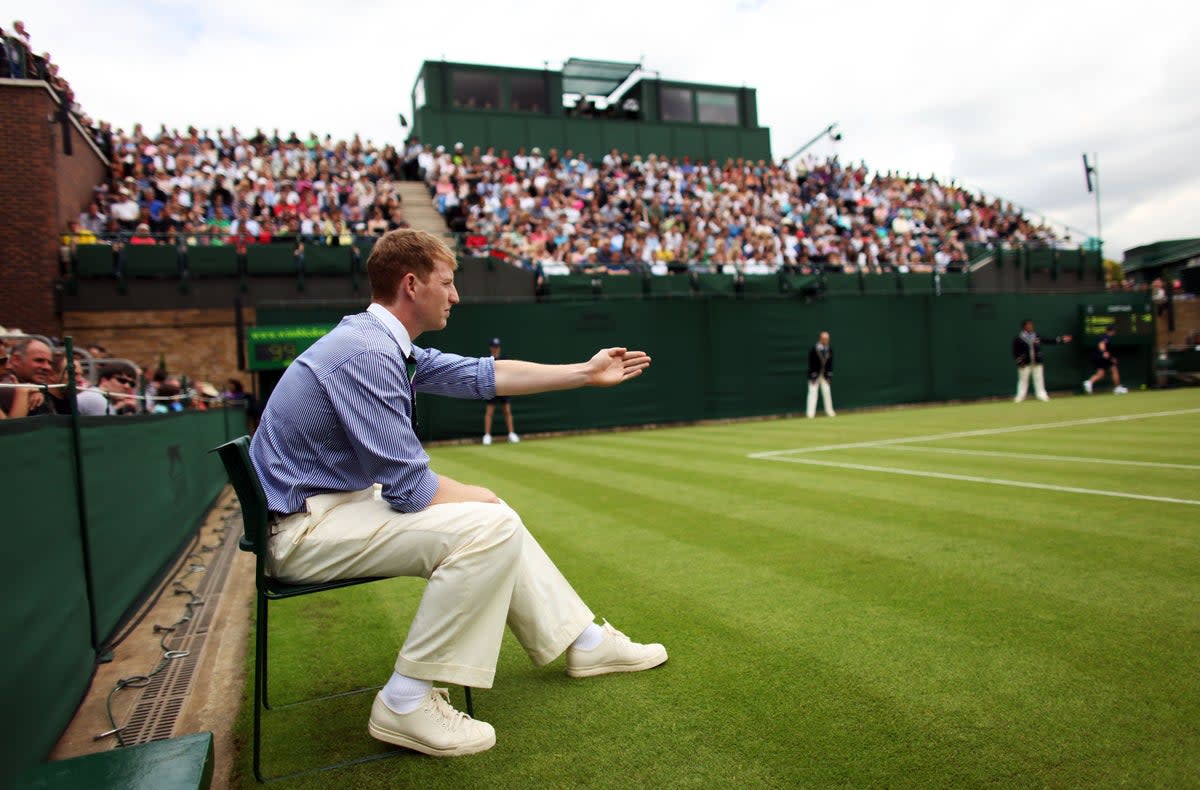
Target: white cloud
(1002, 97)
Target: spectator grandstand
(556, 213)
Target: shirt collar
(393, 326)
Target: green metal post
(80, 495)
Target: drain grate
(162, 699)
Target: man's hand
(611, 366)
(450, 490)
(1067, 338)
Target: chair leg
(260, 681)
(263, 638)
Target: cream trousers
(821, 383)
(1039, 381)
(483, 568)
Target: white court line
(1034, 457)
(772, 454)
(989, 480)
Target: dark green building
(588, 106)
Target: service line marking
(771, 454)
(1035, 457)
(996, 481)
(789, 456)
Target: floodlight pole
(827, 130)
(1099, 234)
(1091, 171)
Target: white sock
(403, 694)
(591, 637)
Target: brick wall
(39, 190)
(1187, 322)
(201, 344)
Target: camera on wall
(835, 136)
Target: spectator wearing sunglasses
(113, 393)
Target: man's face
(120, 383)
(35, 365)
(824, 338)
(435, 296)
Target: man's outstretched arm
(609, 367)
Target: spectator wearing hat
(502, 401)
(142, 235)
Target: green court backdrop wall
(724, 357)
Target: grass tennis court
(989, 595)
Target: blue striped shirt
(341, 417)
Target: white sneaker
(487, 438)
(435, 727)
(512, 437)
(1043, 397)
(615, 653)
(1119, 390)
(1087, 386)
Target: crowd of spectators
(555, 212)
(564, 213)
(34, 372)
(226, 188)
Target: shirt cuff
(487, 378)
(422, 494)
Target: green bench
(183, 763)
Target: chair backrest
(235, 455)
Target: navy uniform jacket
(820, 362)
(1025, 352)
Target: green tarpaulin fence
(73, 573)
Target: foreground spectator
(113, 393)
(30, 361)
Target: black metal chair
(235, 455)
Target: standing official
(502, 401)
(1027, 351)
(820, 371)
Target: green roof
(1161, 253)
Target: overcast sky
(1002, 96)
